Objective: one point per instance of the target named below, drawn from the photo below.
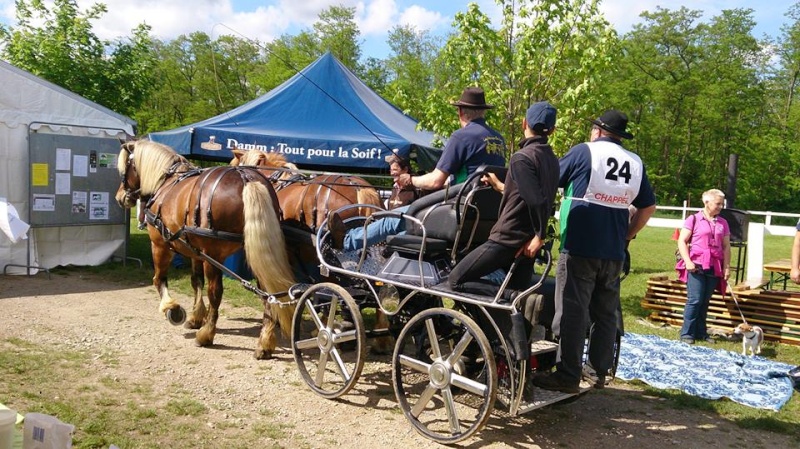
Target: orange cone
(676, 234)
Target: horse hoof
(262, 354)
(176, 316)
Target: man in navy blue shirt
(601, 179)
(473, 145)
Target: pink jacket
(706, 247)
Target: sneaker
(337, 229)
(556, 382)
(687, 340)
(709, 340)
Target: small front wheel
(444, 375)
(328, 340)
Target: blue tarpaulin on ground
(324, 116)
(704, 371)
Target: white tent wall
(25, 101)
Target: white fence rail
(755, 233)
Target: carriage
(456, 355)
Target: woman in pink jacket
(705, 248)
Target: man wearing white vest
(601, 179)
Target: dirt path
(89, 314)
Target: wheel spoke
(345, 337)
(340, 365)
(450, 408)
(468, 384)
(458, 351)
(332, 311)
(314, 315)
(308, 343)
(414, 364)
(423, 400)
(433, 339)
(323, 361)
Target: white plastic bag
(46, 432)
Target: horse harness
(207, 176)
(301, 210)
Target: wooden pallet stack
(776, 312)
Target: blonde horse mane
(152, 160)
(266, 159)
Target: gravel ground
(100, 317)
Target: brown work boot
(337, 229)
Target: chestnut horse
(305, 203)
(212, 213)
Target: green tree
(410, 68)
(65, 51)
(551, 50)
(694, 94)
(337, 32)
(199, 78)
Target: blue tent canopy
(323, 117)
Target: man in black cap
(601, 179)
(528, 195)
(475, 144)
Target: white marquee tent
(30, 105)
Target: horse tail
(265, 248)
(368, 195)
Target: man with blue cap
(529, 192)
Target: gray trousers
(587, 292)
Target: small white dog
(752, 337)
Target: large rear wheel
(328, 340)
(444, 375)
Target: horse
(208, 214)
(305, 204)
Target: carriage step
(544, 397)
(543, 346)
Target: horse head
(143, 167)
(264, 159)
(129, 189)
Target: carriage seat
(448, 226)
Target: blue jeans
(376, 231)
(699, 288)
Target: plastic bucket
(8, 418)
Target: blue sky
(267, 19)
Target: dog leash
(735, 301)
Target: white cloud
(377, 17)
(423, 19)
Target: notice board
(73, 180)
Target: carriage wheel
(328, 340)
(446, 390)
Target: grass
(35, 374)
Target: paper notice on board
(39, 175)
(62, 183)
(98, 206)
(43, 202)
(80, 166)
(63, 158)
(78, 202)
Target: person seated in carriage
(529, 191)
(473, 145)
(401, 195)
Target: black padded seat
(406, 243)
